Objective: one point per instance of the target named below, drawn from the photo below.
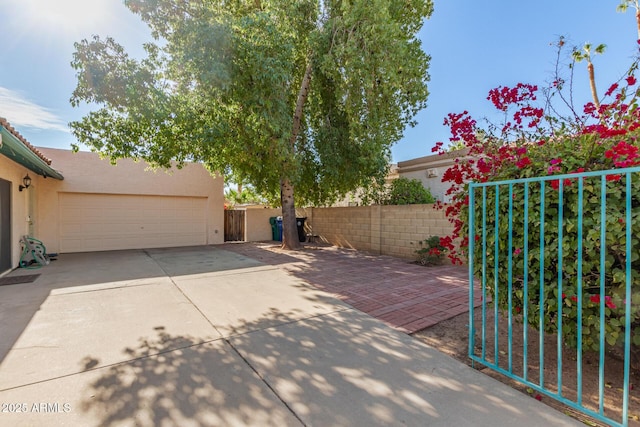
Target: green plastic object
(34, 254)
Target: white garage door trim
(100, 222)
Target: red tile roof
(4, 123)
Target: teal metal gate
(557, 262)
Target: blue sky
(475, 46)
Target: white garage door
(101, 222)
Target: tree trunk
(592, 83)
(289, 225)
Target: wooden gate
(234, 225)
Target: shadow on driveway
(341, 369)
(91, 272)
(404, 295)
(206, 337)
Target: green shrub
(563, 270)
(431, 252)
(404, 191)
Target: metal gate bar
(486, 224)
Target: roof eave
(14, 149)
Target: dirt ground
(451, 337)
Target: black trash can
(301, 234)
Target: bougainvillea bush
(432, 250)
(536, 140)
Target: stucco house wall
(79, 202)
(14, 172)
(87, 173)
(429, 170)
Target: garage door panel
(96, 222)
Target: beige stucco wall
(20, 203)
(257, 226)
(85, 172)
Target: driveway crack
(265, 382)
(226, 340)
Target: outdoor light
(26, 181)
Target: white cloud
(20, 111)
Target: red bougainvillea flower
(517, 251)
(447, 242)
(503, 96)
(553, 169)
(528, 112)
(611, 89)
(483, 166)
(609, 303)
(574, 298)
(631, 80)
(555, 184)
(590, 108)
(603, 131)
(623, 155)
(523, 162)
(463, 127)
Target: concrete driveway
(207, 337)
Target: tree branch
(302, 98)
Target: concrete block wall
(347, 227)
(403, 227)
(385, 230)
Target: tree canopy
(306, 94)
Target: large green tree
(305, 94)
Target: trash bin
(301, 234)
(275, 233)
(279, 227)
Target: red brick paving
(406, 296)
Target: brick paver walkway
(406, 296)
